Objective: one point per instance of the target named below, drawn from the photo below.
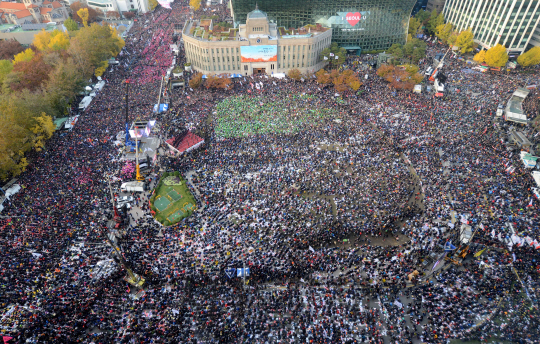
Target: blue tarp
(162, 108)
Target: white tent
(536, 176)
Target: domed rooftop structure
(256, 14)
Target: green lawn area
(172, 201)
(282, 113)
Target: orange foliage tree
(400, 77)
(217, 82)
(341, 81)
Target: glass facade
(365, 24)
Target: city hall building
(256, 47)
(357, 25)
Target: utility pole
(116, 216)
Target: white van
(134, 186)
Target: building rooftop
(205, 31)
(256, 14)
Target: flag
(331, 54)
(326, 58)
(530, 203)
(493, 233)
(337, 57)
(477, 254)
(312, 249)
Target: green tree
(415, 50)
(65, 81)
(396, 50)
(423, 17)
(497, 56)
(71, 25)
(465, 41)
(6, 66)
(334, 54)
(92, 45)
(434, 21)
(530, 58)
(414, 25)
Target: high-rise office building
(510, 23)
(436, 5)
(356, 24)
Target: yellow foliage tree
(41, 40)
(43, 129)
(153, 4)
(530, 58)
(26, 55)
(497, 56)
(444, 31)
(195, 4)
(83, 14)
(59, 41)
(465, 41)
(480, 57)
(102, 68)
(47, 41)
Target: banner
(258, 53)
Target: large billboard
(258, 53)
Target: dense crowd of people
(341, 217)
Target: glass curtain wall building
(356, 24)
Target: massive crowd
(331, 219)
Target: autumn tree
(128, 15)
(195, 4)
(101, 68)
(83, 14)
(196, 81)
(30, 74)
(402, 77)
(113, 14)
(71, 25)
(497, 56)
(480, 57)
(342, 81)
(51, 41)
(444, 31)
(9, 48)
(24, 126)
(294, 74)
(530, 58)
(153, 4)
(465, 41)
(92, 13)
(26, 55)
(216, 82)
(323, 77)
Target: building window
(245, 67)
